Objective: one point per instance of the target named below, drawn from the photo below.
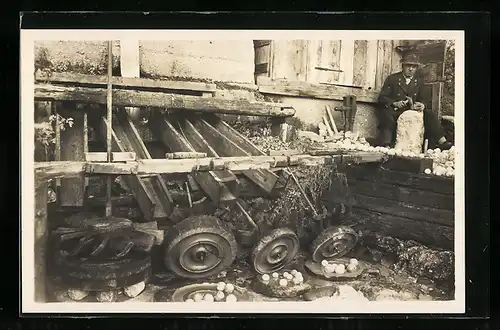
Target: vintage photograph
(242, 169)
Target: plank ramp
(150, 190)
(213, 183)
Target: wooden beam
(127, 98)
(199, 143)
(124, 82)
(319, 91)
(212, 184)
(72, 148)
(151, 192)
(47, 170)
(407, 195)
(115, 156)
(227, 147)
(430, 234)
(41, 239)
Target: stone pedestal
(410, 131)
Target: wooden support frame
(125, 82)
(136, 98)
(213, 185)
(48, 170)
(198, 142)
(319, 91)
(151, 192)
(226, 147)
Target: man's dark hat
(411, 58)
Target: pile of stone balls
(225, 293)
(284, 279)
(444, 161)
(340, 267)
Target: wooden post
(41, 237)
(437, 91)
(110, 123)
(71, 192)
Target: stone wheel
(275, 250)
(198, 247)
(334, 242)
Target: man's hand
(418, 106)
(399, 104)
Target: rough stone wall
(195, 59)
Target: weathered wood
(115, 156)
(371, 65)
(127, 98)
(151, 193)
(41, 239)
(124, 82)
(416, 166)
(185, 155)
(400, 209)
(320, 91)
(288, 152)
(369, 172)
(406, 195)
(148, 167)
(430, 234)
(199, 143)
(360, 62)
(227, 148)
(72, 190)
(210, 182)
(347, 61)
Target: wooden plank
(226, 147)
(430, 234)
(371, 65)
(124, 82)
(41, 235)
(387, 64)
(211, 184)
(406, 195)
(373, 173)
(127, 98)
(379, 80)
(399, 209)
(437, 93)
(185, 155)
(151, 192)
(360, 60)
(47, 170)
(417, 166)
(329, 57)
(115, 156)
(396, 57)
(347, 61)
(319, 91)
(72, 191)
(121, 143)
(198, 142)
(57, 151)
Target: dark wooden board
(408, 164)
(403, 194)
(431, 234)
(415, 212)
(373, 173)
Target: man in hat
(403, 91)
